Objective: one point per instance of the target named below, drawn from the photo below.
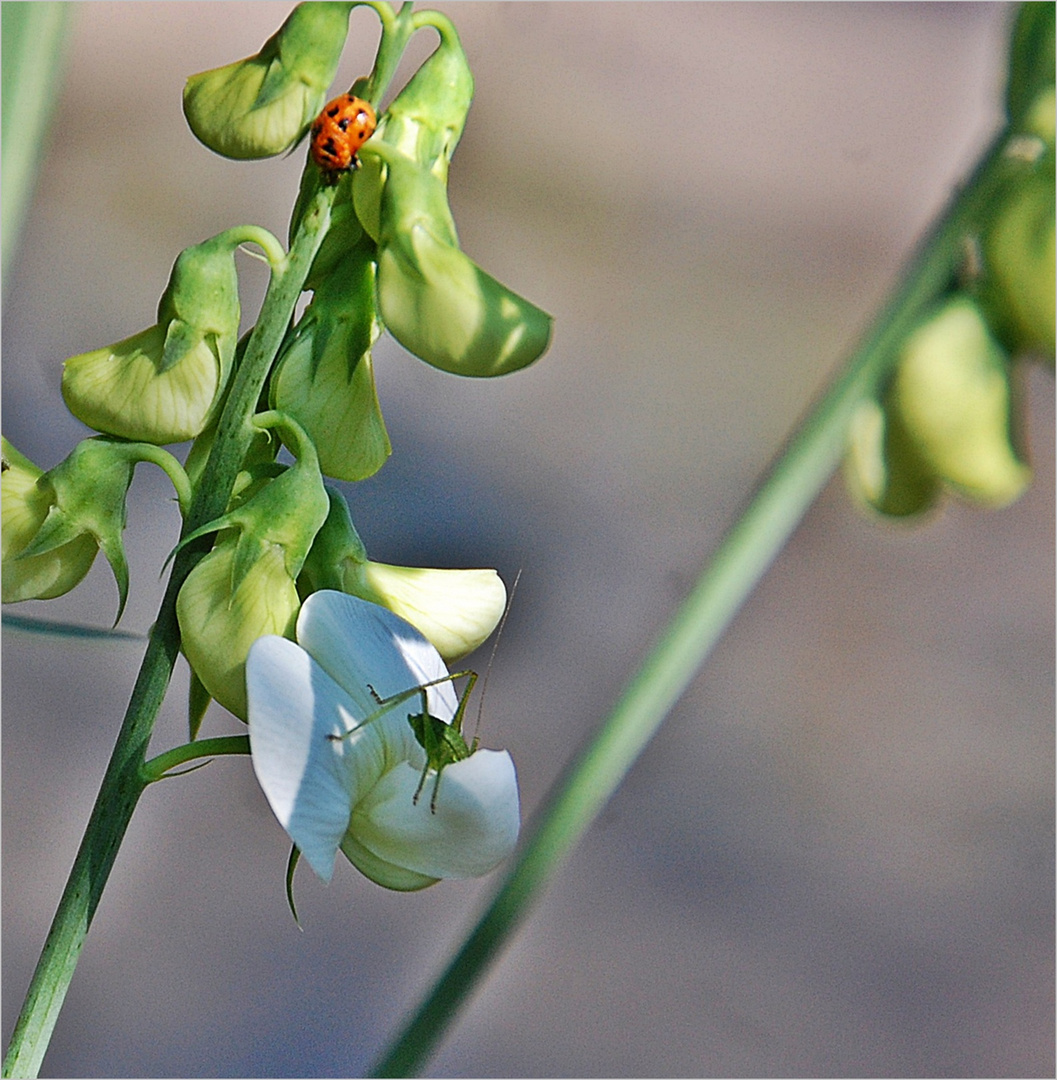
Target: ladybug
(339, 131)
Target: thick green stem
(739, 563)
(123, 782)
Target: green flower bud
(883, 469)
(435, 300)
(1019, 254)
(54, 522)
(1031, 58)
(163, 384)
(952, 393)
(221, 618)
(244, 588)
(455, 610)
(325, 376)
(25, 506)
(261, 106)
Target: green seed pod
(163, 384)
(435, 300)
(59, 519)
(262, 106)
(325, 376)
(26, 504)
(455, 610)
(952, 393)
(883, 469)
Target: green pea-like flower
(55, 522)
(245, 586)
(164, 384)
(221, 617)
(325, 376)
(261, 106)
(432, 297)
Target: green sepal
(1018, 287)
(285, 512)
(335, 545)
(198, 699)
(291, 866)
(426, 119)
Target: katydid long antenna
(491, 658)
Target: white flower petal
(474, 828)
(360, 644)
(293, 704)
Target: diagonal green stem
(123, 782)
(739, 563)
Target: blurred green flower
(952, 393)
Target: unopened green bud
(163, 384)
(1020, 253)
(57, 524)
(261, 106)
(220, 619)
(26, 504)
(433, 299)
(455, 610)
(952, 392)
(325, 376)
(883, 469)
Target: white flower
(331, 789)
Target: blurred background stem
(741, 560)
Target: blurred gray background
(837, 856)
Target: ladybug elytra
(343, 126)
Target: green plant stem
(123, 782)
(157, 767)
(743, 557)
